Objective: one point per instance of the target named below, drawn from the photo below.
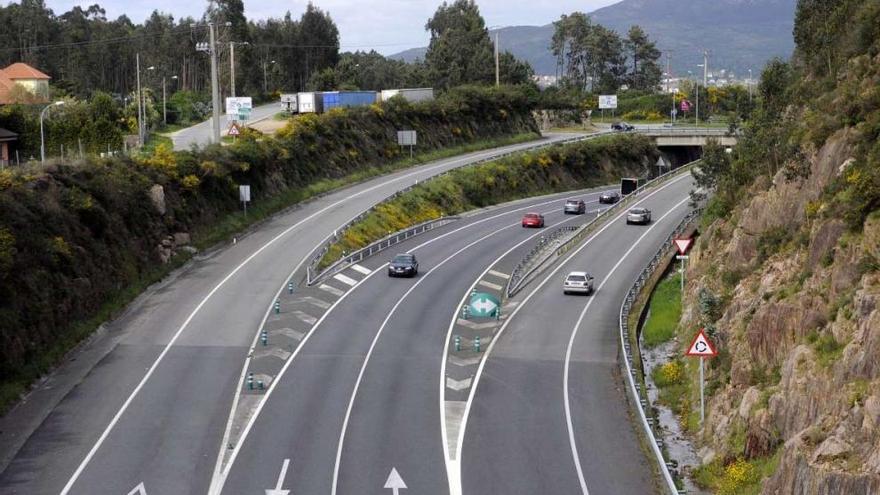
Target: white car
(578, 282)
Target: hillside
(785, 275)
(740, 34)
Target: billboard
(607, 101)
(239, 108)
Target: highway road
(548, 411)
(200, 134)
(148, 398)
(362, 398)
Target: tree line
(591, 57)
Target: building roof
(20, 70)
(5, 86)
(7, 135)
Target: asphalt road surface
(200, 134)
(147, 400)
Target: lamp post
(497, 54)
(698, 94)
(750, 88)
(265, 84)
(42, 135)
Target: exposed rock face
(802, 329)
(157, 196)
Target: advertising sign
(607, 102)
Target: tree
(513, 70)
(715, 164)
(643, 54)
(589, 55)
(460, 50)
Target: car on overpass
(533, 220)
(576, 206)
(403, 265)
(609, 197)
(578, 282)
(622, 127)
(640, 216)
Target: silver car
(638, 215)
(578, 282)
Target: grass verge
(665, 311)
(738, 477)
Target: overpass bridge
(687, 136)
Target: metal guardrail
(377, 247)
(528, 264)
(687, 131)
(312, 273)
(518, 276)
(648, 424)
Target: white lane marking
(458, 385)
(362, 269)
(333, 290)
(382, 328)
(275, 352)
(464, 362)
(314, 301)
(568, 421)
(219, 478)
(91, 454)
(138, 490)
(490, 285)
(395, 482)
(288, 332)
(345, 279)
(304, 317)
(453, 464)
(278, 490)
(477, 326)
(499, 274)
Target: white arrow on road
(395, 482)
(278, 490)
(484, 305)
(138, 490)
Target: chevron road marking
(499, 274)
(458, 385)
(361, 269)
(333, 290)
(345, 280)
(490, 285)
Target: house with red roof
(20, 82)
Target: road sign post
(244, 195)
(683, 245)
(407, 138)
(702, 348)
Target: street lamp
(265, 84)
(42, 135)
(497, 65)
(698, 95)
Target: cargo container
(308, 103)
(411, 95)
(333, 99)
(288, 103)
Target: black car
(609, 197)
(622, 127)
(403, 265)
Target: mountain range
(738, 34)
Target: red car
(533, 220)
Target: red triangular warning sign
(701, 346)
(234, 130)
(683, 245)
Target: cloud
(388, 26)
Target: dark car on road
(533, 220)
(638, 215)
(622, 127)
(403, 265)
(609, 197)
(576, 206)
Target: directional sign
(278, 490)
(395, 482)
(234, 130)
(483, 304)
(701, 346)
(683, 244)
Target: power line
(107, 41)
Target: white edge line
(388, 318)
(474, 157)
(453, 468)
(217, 483)
(567, 364)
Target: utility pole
(211, 48)
(164, 108)
(705, 68)
(750, 88)
(497, 65)
(232, 68)
(137, 58)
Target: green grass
(665, 307)
(155, 140)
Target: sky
(388, 26)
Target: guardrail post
(477, 343)
(260, 384)
(264, 337)
(290, 287)
(250, 381)
(457, 343)
(464, 312)
(277, 307)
